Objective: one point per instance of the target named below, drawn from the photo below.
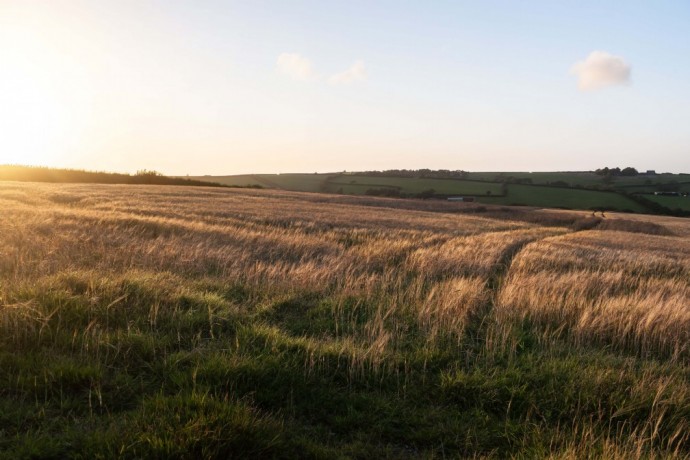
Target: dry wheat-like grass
(623, 289)
(372, 286)
(408, 263)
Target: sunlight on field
(163, 321)
(630, 291)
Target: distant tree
(628, 171)
(416, 173)
(148, 173)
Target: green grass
(523, 194)
(294, 182)
(556, 197)
(680, 187)
(671, 202)
(585, 179)
(297, 182)
(268, 385)
(241, 180)
(578, 178)
(356, 184)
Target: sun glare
(31, 118)
(41, 104)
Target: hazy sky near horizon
(229, 87)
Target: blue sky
(201, 88)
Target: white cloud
(295, 66)
(601, 69)
(355, 73)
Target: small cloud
(355, 73)
(295, 66)
(601, 69)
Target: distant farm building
(667, 193)
(466, 199)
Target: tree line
(55, 175)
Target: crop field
(577, 190)
(564, 198)
(574, 178)
(293, 182)
(356, 184)
(582, 178)
(240, 180)
(169, 322)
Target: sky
(229, 87)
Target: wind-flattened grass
(626, 290)
(154, 322)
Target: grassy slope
(681, 187)
(356, 184)
(518, 194)
(295, 182)
(564, 197)
(671, 202)
(542, 177)
(156, 322)
(581, 178)
(240, 180)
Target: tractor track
(477, 324)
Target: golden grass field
(179, 322)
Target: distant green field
(671, 202)
(483, 186)
(582, 178)
(555, 197)
(239, 180)
(354, 184)
(295, 182)
(575, 178)
(679, 187)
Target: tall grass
(624, 290)
(159, 322)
